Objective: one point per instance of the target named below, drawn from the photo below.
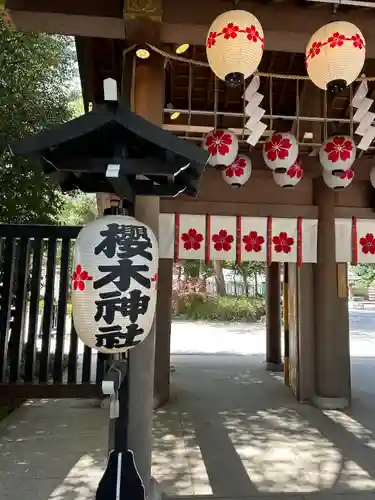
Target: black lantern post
(113, 150)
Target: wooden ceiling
(188, 86)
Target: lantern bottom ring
(288, 186)
(336, 86)
(234, 80)
(236, 185)
(280, 170)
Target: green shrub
(197, 305)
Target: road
(246, 339)
(250, 338)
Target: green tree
(247, 270)
(36, 71)
(366, 272)
(77, 209)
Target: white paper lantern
(114, 283)
(280, 152)
(239, 172)
(372, 177)
(222, 146)
(291, 177)
(335, 55)
(234, 46)
(338, 181)
(337, 154)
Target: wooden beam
(183, 22)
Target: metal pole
(356, 3)
(198, 112)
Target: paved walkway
(231, 430)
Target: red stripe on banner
(299, 241)
(177, 225)
(354, 241)
(269, 240)
(208, 239)
(238, 241)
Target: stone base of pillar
(155, 491)
(330, 403)
(275, 367)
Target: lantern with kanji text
(114, 283)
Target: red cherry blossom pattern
(253, 242)
(231, 31)
(222, 241)
(218, 142)
(296, 170)
(79, 278)
(278, 147)
(237, 169)
(368, 244)
(339, 148)
(283, 243)
(348, 174)
(335, 40)
(192, 239)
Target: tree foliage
(77, 209)
(36, 71)
(366, 272)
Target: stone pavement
(231, 430)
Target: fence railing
(40, 353)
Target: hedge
(197, 305)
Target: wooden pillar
(286, 323)
(332, 358)
(273, 348)
(163, 331)
(148, 101)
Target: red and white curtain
(211, 237)
(355, 240)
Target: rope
(203, 64)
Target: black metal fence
(40, 353)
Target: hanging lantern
(234, 46)
(338, 181)
(114, 283)
(291, 177)
(335, 55)
(237, 174)
(222, 146)
(372, 177)
(280, 152)
(337, 154)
